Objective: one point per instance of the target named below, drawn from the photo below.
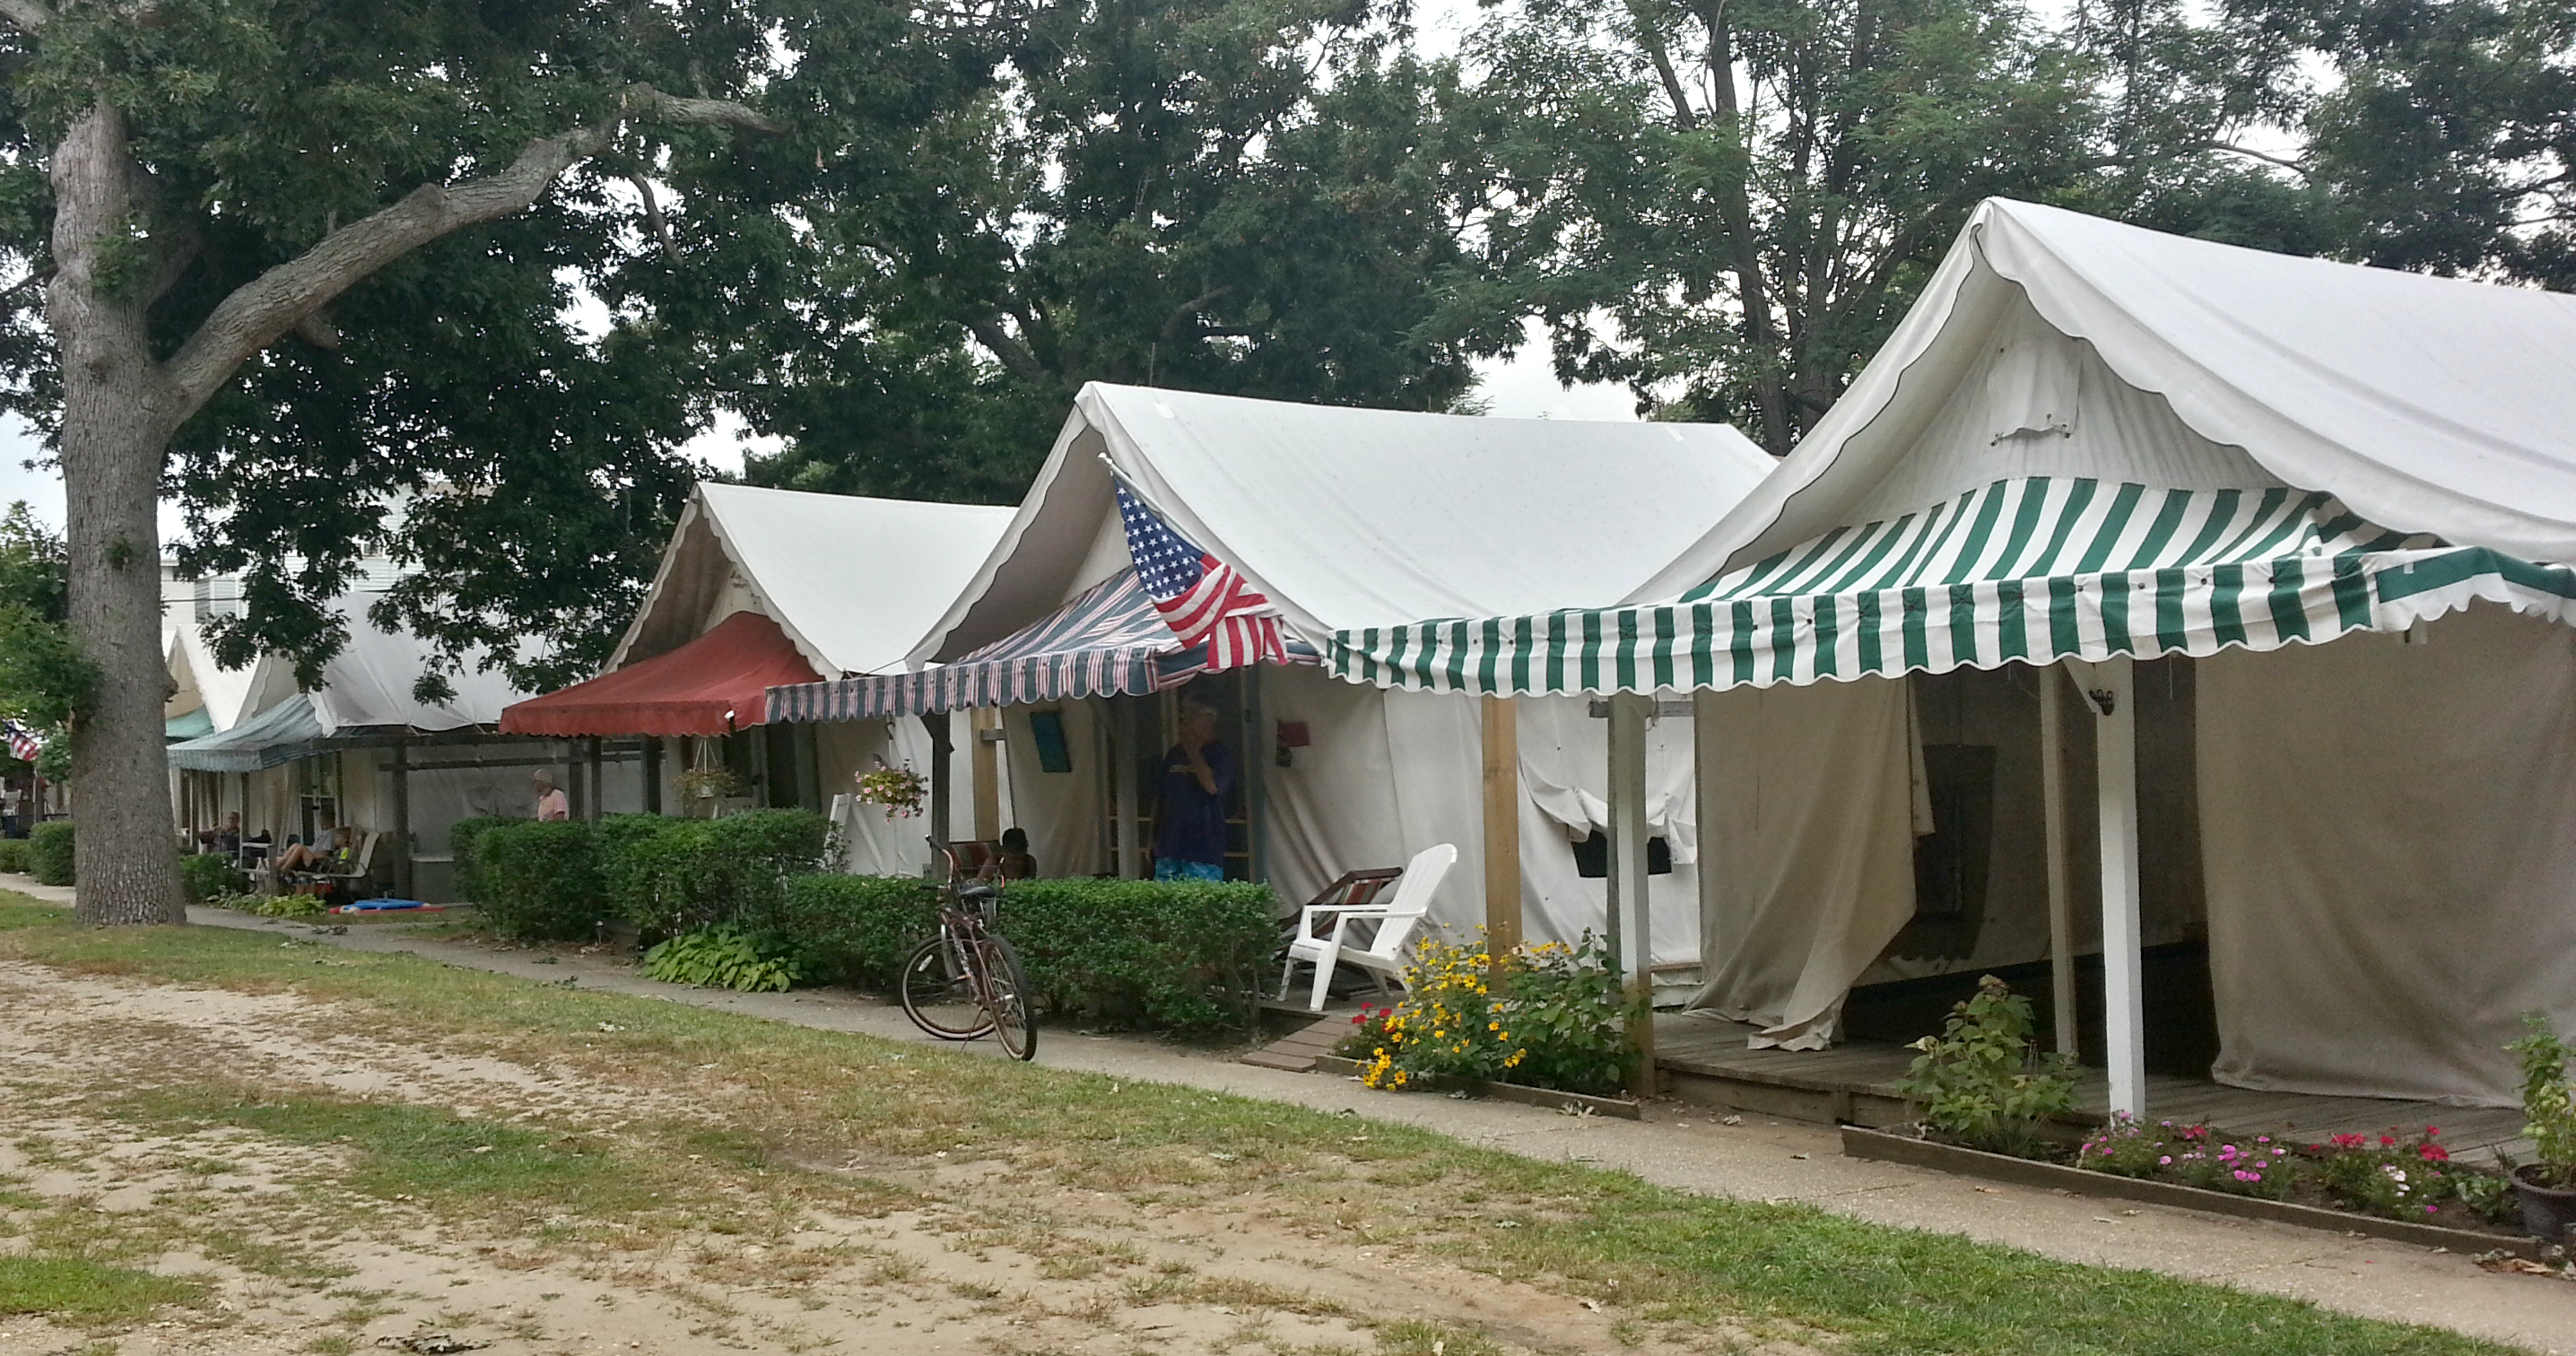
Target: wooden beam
(2061, 895)
(986, 724)
(2112, 691)
(1502, 826)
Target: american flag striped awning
(1109, 641)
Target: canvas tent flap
(191, 725)
(274, 738)
(1346, 517)
(852, 581)
(710, 686)
(370, 683)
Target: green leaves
(1982, 1080)
(721, 957)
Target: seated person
(226, 840)
(305, 857)
(1013, 862)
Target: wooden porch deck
(1704, 1060)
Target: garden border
(1579, 1102)
(1880, 1146)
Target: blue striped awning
(1107, 642)
(277, 736)
(2030, 570)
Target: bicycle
(965, 982)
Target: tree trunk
(116, 425)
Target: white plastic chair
(1383, 958)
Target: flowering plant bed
(1576, 1103)
(1549, 1015)
(2426, 1231)
(2393, 1175)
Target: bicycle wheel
(1014, 1014)
(939, 991)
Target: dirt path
(105, 1117)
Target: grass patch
(84, 1291)
(816, 1096)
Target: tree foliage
(44, 677)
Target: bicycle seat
(978, 890)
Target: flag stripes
(2028, 570)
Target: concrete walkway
(1680, 1147)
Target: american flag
(23, 744)
(1202, 598)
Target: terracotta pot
(2547, 1212)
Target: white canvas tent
(843, 583)
(2089, 445)
(1341, 517)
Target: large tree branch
(276, 302)
(1015, 355)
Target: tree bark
(116, 422)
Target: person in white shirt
(552, 803)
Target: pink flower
(2165, 1161)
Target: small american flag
(23, 744)
(1202, 598)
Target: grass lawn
(744, 1128)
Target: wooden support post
(652, 774)
(943, 748)
(591, 761)
(1502, 827)
(574, 808)
(2112, 691)
(2061, 896)
(986, 724)
(1631, 938)
(402, 820)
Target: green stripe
(1752, 578)
(1589, 658)
(2289, 619)
(1963, 623)
(1396, 636)
(1524, 631)
(2290, 524)
(1917, 653)
(2115, 615)
(1958, 516)
(1974, 548)
(1663, 647)
(1626, 654)
(1703, 644)
(2064, 637)
(1825, 610)
(2078, 498)
(2264, 513)
(2226, 586)
(2351, 594)
(2168, 521)
(1794, 578)
(1489, 666)
(1784, 637)
(1556, 643)
(1895, 575)
(2034, 499)
(2452, 567)
(1461, 639)
(2222, 511)
(1739, 645)
(2170, 585)
(2012, 621)
(1860, 540)
(1871, 661)
(2124, 504)
(1886, 542)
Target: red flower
(2434, 1153)
(2432, 1131)
(2387, 1141)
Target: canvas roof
(2426, 404)
(854, 582)
(1347, 517)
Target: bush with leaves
(541, 880)
(13, 855)
(1982, 1081)
(461, 840)
(1157, 955)
(205, 875)
(1557, 1016)
(49, 852)
(675, 876)
(856, 930)
(2548, 1100)
(721, 957)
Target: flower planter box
(1883, 1147)
(1626, 1109)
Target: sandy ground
(1101, 1275)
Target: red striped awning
(713, 685)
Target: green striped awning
(2030, 570)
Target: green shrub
(1982, 1081)
(1163, 955)
(855, 930)
(461, 840)
(541, 880)
(722, 957)
(676, 876)
(1560, 1018)
(49, 852)
(2548, 1099)
(204, 875)
(13, 855)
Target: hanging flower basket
(711, 783)
(898, 789)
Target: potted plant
(710, 783)
(898, 789)
(1982, 1081)
(2547, 1186)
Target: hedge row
(13, 855)
(1163, 955)
(49, 852)
(565, 878)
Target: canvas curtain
(2389, 836)
(1808, 836)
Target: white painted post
(2124, 1029)
(2061, 896)
(1631, 934)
